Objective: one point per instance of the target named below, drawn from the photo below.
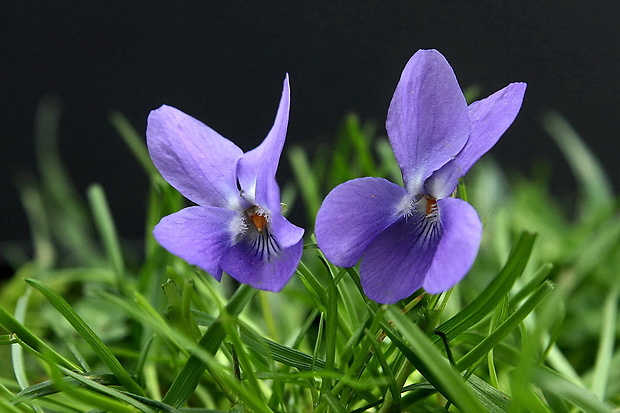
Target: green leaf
(113, 395)
(88, 335)
(107, 230)
(553, 382)
(594, 185)
(505, 328)
(25, 336)
(306, 180)
(134, 141)
(605, 351)
(187, 380)
(48, 387)
(278, 352)
(486, 302)
(435, 368)
(494, 400)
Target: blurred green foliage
(533, 327)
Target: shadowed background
(224, 62)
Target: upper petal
(257, 168)
(489, 117)
(395, 264)
(427, 121)
(193, 158)
(241, 263)
(353, 214)
(199, 235)
(457, 250)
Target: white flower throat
(257, 217)
(258, 235)
(422, 204)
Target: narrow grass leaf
(425, 356)
(88, 335)
(7, 407)
(553, 382)
(22, 334)
(278, 352)
(134, 141)
(596, 189)
(505, 328)
(48, 387)
(532, 285)
(187, 380)
(387, 371)
(359, 140)
(605, 353)
(333, 403)
(232, 334)
(107, 231)
(486, 302)
(113, 395)
(17, 352)
(494, 400)
(308, 186)
(331, 327)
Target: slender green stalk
(187, 380)
(604, 355)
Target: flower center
(431, 206)
(262, 243)
(257, 218)
(424, 205)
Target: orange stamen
(431, 205)
(259, 221)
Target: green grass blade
(107, 230)
(88, 335)
(110, 395)
(605, 352)
(10, 324)
(48, 387)
(596, 189)
(551, 381)
(494, 400)
(306, 180)
(333, 403)
(242, 361)
(532, 285)
(359, 140)
(134, 141)
(187, 380)
(435, 368)
(331, 328)
(486, 302)
(278, 352)
(505, 328)
(8, 407)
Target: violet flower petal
(257, 168)
(243, 264)
(193, 158)
(427, 122)
(200, 235)
(457, 250)
(395, 264)
(489, 117)
(353, 214)
(284, 231)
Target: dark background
(224, 62)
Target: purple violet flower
(418, 236)
(237, 226)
